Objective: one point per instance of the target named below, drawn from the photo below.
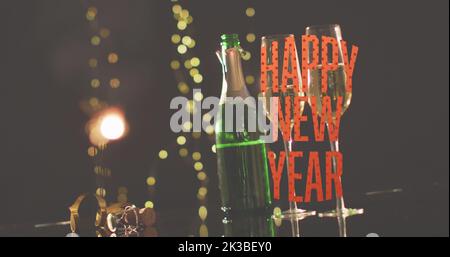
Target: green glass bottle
(241, 156)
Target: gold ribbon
(74, 215)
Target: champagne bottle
(241, 155)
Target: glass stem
(340, 207)
(292, 204)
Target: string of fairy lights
(187, 70)
(100, 81)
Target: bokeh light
(250, 37)
(182, 49)
(183, 152)
(92, 151)
(202, 212)
(195, 61)
(163, 154)
(149, 204)
(114, 83)
(95, 40)
(250, 12)
(112, 126)
(175, 65)
(181, 140)
(249, 79)
(198, 166)
(198, 78)
(175, 38)
(91, 13)
(196, 156)
(113, 58)
(95, 83)
(201, 176)
(151, 181)
(93, 63)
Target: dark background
(394, 135)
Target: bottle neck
(233, 75)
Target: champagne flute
(336, 88)
(294, 214)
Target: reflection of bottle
(241, 155)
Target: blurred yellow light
(183, 88)
(176, 8)
(190, 107)
(104, 32)
(95, 83)
(93, 63)
(149, 204)
(193, 72)
(175, 65)
(92, 151)
(250, 12)
(100, 191)
(251, 37)
(198, 78)
(207, 117)
(112, 126)
(163, 154)
(200, 197)
(181, 25)
(202, 212)
(213, 148)
(187, 125)
(198, 96)
(209, 130)
(189, 19)
(181, 140)
(195, 62)
(186, 40)
(196, 156)
(203, 230)
(192, 44)
(183, 152)
(95, 40)
(187, 64)
(93, 101)
(114, 83)
(246, 55)
(182, 49)
(249, 79)
(151, 181)
(198, 166)
(91, 13)
(184, 14)
(175, 38)
(202, 190)
(113, 58)
(201, 176)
